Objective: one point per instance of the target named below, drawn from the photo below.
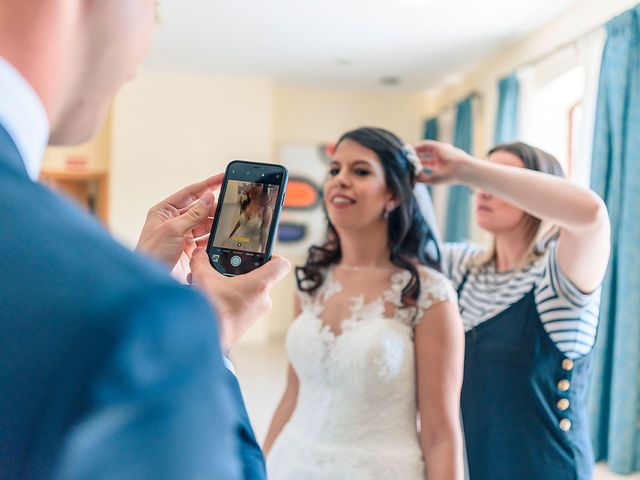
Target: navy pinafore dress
(523, 401)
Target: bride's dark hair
(408, 233)
(264, 199)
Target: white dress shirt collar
(23, 117)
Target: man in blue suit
(108, 368)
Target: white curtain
(590, 50)
(547, 90)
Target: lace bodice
(248, 234)
(434, 288)
(356, 410)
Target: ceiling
(342, 43)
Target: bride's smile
(356, 194)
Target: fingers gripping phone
(246, 218)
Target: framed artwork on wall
(303, 222)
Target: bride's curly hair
(408, 233)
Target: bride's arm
(439, 340)
(264, 229)
(235, 228)
(288, 402)
(284, 411)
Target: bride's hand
(443, 162)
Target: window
(556, 116)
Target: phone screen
(246, 217)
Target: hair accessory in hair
(413, 159)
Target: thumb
(271, 272)
(197, 214)
(200, 265)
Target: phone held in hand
(246, 218)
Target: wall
(173, 130)
(572, 24)
(309, 115)
(97, 152)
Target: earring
(385, 215)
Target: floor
(261, 370)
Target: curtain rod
(572, 43)
(452, 104)
(536, 60)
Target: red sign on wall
(76, 162)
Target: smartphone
(246, 219)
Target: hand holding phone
(175, 226)
(239, 301)
(246, 218)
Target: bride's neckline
(357, 268)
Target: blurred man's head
(76, 54)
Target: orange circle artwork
(300, 194)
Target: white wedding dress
(356, 413)
(248, 236)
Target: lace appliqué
(314, 304)
(434, 288)
(337, 430)
(361, 310)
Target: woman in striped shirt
(530, 310)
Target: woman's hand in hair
(443, 162)
(584, 242)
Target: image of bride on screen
(254, 212)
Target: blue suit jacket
(108, 369)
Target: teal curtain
(508, 103)
(457, 227)
(431, 129)
(615, 393)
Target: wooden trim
(90, 189)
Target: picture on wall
(303, 223)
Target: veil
(425, 204)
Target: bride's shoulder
(430, 275)
(435, 287)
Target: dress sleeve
(434, 288)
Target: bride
(252, 228)
(376, 350)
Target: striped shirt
(569, 316)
